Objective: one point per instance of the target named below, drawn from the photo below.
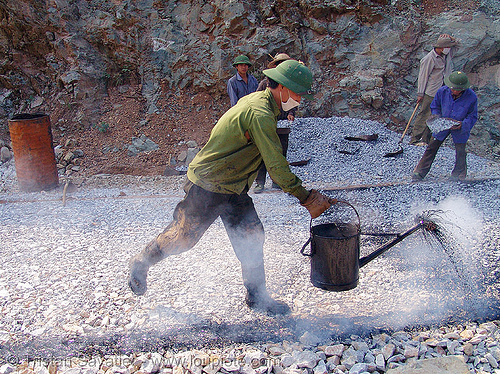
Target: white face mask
(289, 104)
(446, 51)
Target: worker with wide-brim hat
(457, 81)
(218, 181)
(242, 59)
(293, 75)
(434, 67)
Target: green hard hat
(294, 75)
(457, 81)
(242, 59)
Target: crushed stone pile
(340, 162)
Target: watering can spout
(364, 260)
(334, 253)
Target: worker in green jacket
(219, 179)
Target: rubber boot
(139, 266)
(137, 280)
(257, 298)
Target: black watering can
(335, 252)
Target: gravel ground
(63, 284)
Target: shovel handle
(409, 121)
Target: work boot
(138, 277)
(261, 301)
(259, 187)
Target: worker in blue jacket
(457, 102)
(242, 83)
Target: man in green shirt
(220, 176)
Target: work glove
(316, 203)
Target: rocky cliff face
(64, 55)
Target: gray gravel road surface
(63, 280)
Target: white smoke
(464, 222)
(451, 274)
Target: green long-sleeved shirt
(242, 138)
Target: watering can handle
(303, 250)
(334, 202)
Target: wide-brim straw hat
(445, 42)
(280, 57)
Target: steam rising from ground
(461, 221)
(451, 276)
(459, 232)
(197, 297)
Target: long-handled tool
(400, 149)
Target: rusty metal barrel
(34, 156)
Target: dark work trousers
(193, 216)
(425, 163)
(261, 175)
(421, 132)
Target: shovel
(400, 149)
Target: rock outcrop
(364, 54)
